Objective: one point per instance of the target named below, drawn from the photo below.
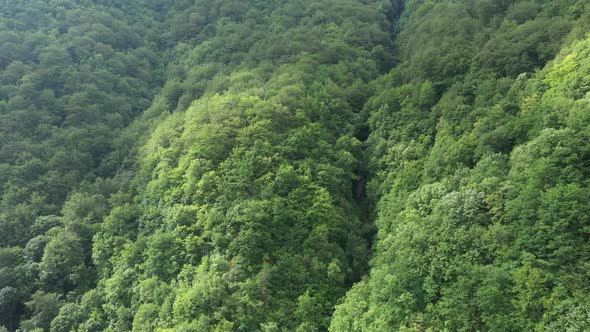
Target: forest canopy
(326, 165)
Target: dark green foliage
(9, 300)
(44, 308)
(62, 265)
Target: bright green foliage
(481, 211)
(244, 196)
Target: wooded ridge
(325, 165)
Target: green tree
(44, 307)
(9, 301)
(69, 317)
(62, 264)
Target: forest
(294, 165)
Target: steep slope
(241, 214)
(481, 193)
(72, 77)
(73, 74)
(234, 186)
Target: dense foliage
(479, 161)
(200, 165)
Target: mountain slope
(240, 214)
(342, 165)
(480, 194)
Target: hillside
(341, 165)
